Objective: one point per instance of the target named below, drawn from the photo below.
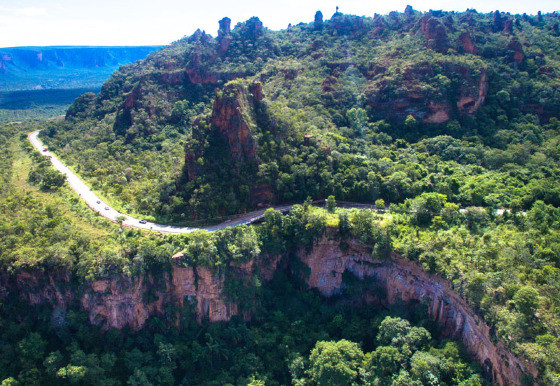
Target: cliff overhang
(129, 302)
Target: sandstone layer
(405, 281)
(120, 302)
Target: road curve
(105, 210)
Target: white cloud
(29, 11)
(114, 22)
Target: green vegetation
(347, 112)
(457, 147)
(36, 104)
(277, 348)
(505, 265)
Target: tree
(426, 206)
(53, 362)
(30, 350)
(403, 379)
(380, 204)
(138, 378)
(425, 367)
(526, 300)
(120, 220)
(74, 374)
(52, 179)
(392, 331)
(386, 361)
(335, 363)
(410, 122)
(542, 217)
(476, 288)
(417, 338)
(255, 380)
(11, 381)
(331, 204)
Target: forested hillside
(462, 104)
(55, 250)
(447, 122)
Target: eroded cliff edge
(116, 303)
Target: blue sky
(139, 22)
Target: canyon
(129, 302)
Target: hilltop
(351, 106)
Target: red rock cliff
(233, 115)
(129, 302)
(405, 281)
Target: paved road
(103, 208)
(97, 204)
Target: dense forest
(446, 122)
(505, 265)
(390, 107)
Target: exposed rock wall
(233, 115)
(435, 33)
(405, 281)
(130, 302)
(466, 100)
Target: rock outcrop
(205, 286)
(116, 303)
(435, 33)
(253, 28)
(497, 22)
(467, 43)
(234, 117)
(471, 100)
(341, 24)
(404, 281)
(224, 34)
(516, 51)
(415, 101)
(318, 21)
(120, 303)
(409, 11)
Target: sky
(160, 22)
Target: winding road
(105, 210)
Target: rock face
(234, 116)
(516, 51)
(467, 44)
(224, 34)
(129, 302)
(409, 11)
(254, 28)
(121, 303)
(342, 24)
(435, 33)
(414, 100)
(206, 287)
(471, 101)
(318, 22)
(498, 23)
(405, 281)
